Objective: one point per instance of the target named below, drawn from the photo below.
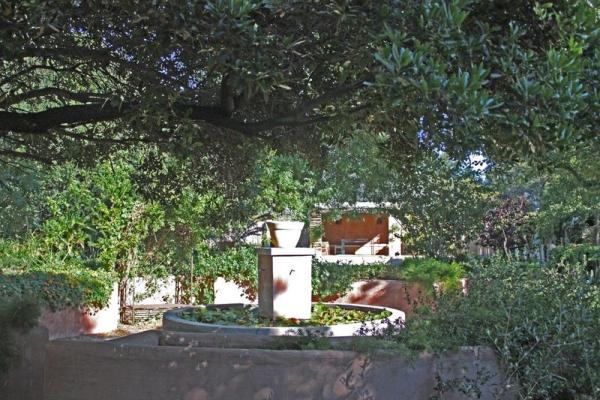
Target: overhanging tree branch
(55, 118)
(27, 156)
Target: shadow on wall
(403, 296)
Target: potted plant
(286, 230)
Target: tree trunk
(124, 271)
(123, 297)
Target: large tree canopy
(492, 76)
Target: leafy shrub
(332, 280)
(249, 316)
(543, 323)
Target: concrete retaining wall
(405, 296)
(401, 295)
(137, 368)
(134, 369)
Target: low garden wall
(73, 321)
(405, 296)
(138, 368)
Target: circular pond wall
(173, 321)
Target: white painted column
(284, 282)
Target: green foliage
(357, 169)
(189, 225)
(564, 198)
(507, 227)
(512, 80)
(440, 204)
(17, 315)
(19, 312)
(570, 199)
(20, 199)
(282, 185)
(463, 76)
(96, 221)
(542, 322)
(58, 290)
(575, 254)
(332, 280)
(95, 214)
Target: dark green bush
(331, 280)
(430, 270)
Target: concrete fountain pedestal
(284, 282)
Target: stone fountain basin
(172, 321)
